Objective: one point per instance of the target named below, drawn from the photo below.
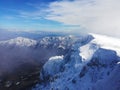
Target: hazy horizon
(86, 16)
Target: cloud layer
(98, 16)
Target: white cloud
(99, 16)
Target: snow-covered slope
(110, 83)
(88, 66)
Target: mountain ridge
(87, 64)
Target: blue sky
(29, 15)
(11, 17)
(96, 16)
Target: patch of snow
(118, 63)
(87, 51)
(52, 66)
(56, 58)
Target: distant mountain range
(6, 35)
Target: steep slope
(88, 66)
(112, 82)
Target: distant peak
(20, 41)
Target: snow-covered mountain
(91, 64)
(21, 57)
(52, 41)
(83, 62)
(64, 42)
(19, 41)
(20, 50)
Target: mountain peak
(19, 41)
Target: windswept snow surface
(92, 65)
(107, 42)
